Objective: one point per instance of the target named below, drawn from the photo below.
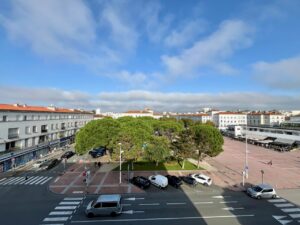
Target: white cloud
(138, 99)
(210, 52)
(185, 33)
(283, 74)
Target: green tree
(184, 147)
(157, 150)
(187, 122)
(208, 140)
(95, 134)
(168, 128)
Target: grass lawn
(149, 166)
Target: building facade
(202, 117)
(268, 119)
(26, 132)
(223, 119)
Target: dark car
(53, 163)
(141, 182)
(189, 180)
(67, 155)
(98, 152)
(174, 181)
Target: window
(109, 204)
(4, 119)
(13, 133)
(52, 126)
(25, 118)
(27, 130)
(34, 129)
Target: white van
(159, 181)
(104, 205)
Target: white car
(39, 163)
(202, 179)
(159, 181)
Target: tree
(157, 150)
(168, 128)
(208, 139)
(184, 146)
(95, 134)
(187, 122)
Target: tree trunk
(183, 164)
(156, 163)
(198, 164)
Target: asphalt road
(34, 204)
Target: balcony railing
(44, 130)
(13, 136)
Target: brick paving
(282, 174)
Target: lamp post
(120, 163)
(246, 152)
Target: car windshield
(257, 188)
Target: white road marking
(9, 180)
(56, 179)
(276, 200)
(283, 222)
(20, 181)
(3, 179)
(149, 204)
(199, 203)
(65, 207)
(59, 213)
(73, 199)
(69, 203)
(14, 180)
(176, 203)
(232, 209)
(284, 205)
(133, 199)
(42, 180)
(291, 210)
(77, 192)
(131, 212)
(220, 196)
(56, 219)
(294, 216)
(164, 218)
(33, 180)
(46, 180)
(28, 178)
(225, 202)
(39, 180)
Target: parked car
(52, 163)
(39, 163)
(67, 155)
(262, 191)
(140, 181)
(202, 179)
(189, 180)
(159, 181)
(104, 205)
(174, 181)
(98, 152)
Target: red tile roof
(230, 113)
(26, 108)
(198, 114)
(137, 111)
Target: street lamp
(120, 163)
(246, 152)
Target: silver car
(262, 191)
(104, 205)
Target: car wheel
(113, 214)
(258, 197)
(90, 215)
(274, 196)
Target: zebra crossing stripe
(277, 200)
(41, 180)
(294, 216)
(291, 210)
(29, 178)
(2, 179)
(33, 180)
(284, 205)
(20, 181)
(51, 219)
(13, 180)
(8, 180)
(46, 181)
(69, 203)
(37, 180)
(65, 207)
(73, 199)
(59, 213)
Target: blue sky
(167, 55)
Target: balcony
(13, 136)
(44, 130)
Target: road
(30, 202)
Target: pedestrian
(99, 164)
(26, 177)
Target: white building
(269, 119)
(223, 119)
(28, 131)
(131, 113)
(202, 117)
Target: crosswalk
(292, 212)
(64, 211)
(29, 180)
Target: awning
(255, 137)
(265, 141)
(284, 141)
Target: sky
(169, 55)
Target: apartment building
(202, 117)
(132, 113)
(26, 132)
(268, 119)
(223, 119)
